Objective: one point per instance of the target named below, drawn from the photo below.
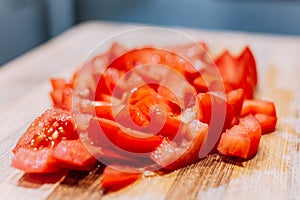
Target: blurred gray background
(25, 24)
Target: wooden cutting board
(273, 174)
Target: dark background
(25, 24)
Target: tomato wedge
(267, 122)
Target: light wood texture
(273, 174)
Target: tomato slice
(35, 161)
(258, 106)
(73, 155)
(241, 140)
(114, 179)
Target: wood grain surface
(274, 173)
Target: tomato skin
(35, 161)
(114, 179)
(252, 106)
(241, 140)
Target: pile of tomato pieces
(141, 118)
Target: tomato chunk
(173, 156)
(258, 106)
(73, 155)
(114, 179)
(35, 161)
(235, 98)
(241, 140)
(267, 122)
(124, 138)
(48, 129)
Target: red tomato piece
(238, 72)
(48, 129)
(73, 155)
(162, 123)
(241, 140)
(235, 98)
(258, 106)
(35, 161)
(209, 105)
(114, 179)
(124, 138)
(62, 93)
(172, 156)
(131, 117)
(267, 122)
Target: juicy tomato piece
(162, 123)
(149, 55)
(235, 98)
(267, 122)
(73, 155)
(251, 106)
(238, 72)
(147, 102)
(114, 179)
(61, 94)
(241, 140)
(172, 156)
(131, 117)
(200, 84)
(35, 161)
(124, 138)
(210, 104)
(48, 129)
(142, 92)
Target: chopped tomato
(258, 106)
(235, 98)
(72, 154)
(238, 72)
(50, 144)
(48, 130)
(172, 156)
(114, 179)
(267, 122)
(215, 108)
(62, 93)
(124, 138)
(35, 161)
(241, 140)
